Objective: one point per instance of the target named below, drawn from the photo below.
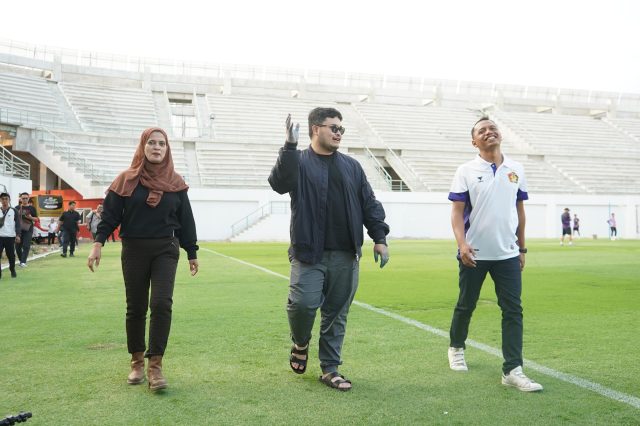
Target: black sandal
(302, 363)
(334, 380)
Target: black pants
(507, 277)
(68, 239)
(22, 248)
(8, 244)
(51, 238)
(149, 264)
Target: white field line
(583, 383)
(29, 259)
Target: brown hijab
(157, 178)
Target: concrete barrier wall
(415, 215)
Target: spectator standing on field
(93, 220)
(331, 200)
(488, 221)
(52, 230)
(69, 224)
(576, 225)
(27, 217)
(565, 220)
(613, 234)
(9, 231)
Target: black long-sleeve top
(171, 217)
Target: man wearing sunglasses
(331, 200)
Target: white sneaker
(23, 265)
(517, 379)
(456, 359)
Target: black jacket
(306, 178)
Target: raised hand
(292, 131)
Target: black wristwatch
(523, 250)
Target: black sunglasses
(334, 128)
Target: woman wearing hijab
(149, 201)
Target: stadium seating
(89, 119)
(235, 165)
(570, 134)
(629, 126)
(601, 175)
(421, 127)
(29, 100)
(260, 119)
(82, 149)
(111, 109)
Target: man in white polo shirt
(488, 222)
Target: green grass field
(63, 354)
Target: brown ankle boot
(137, 369)
(154, 372)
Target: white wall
(15, 186)
(416, 215)
(215, 210)
(273, 228)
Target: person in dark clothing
(576, 225)
(27, 218)
(9, 231)
(331, 200)
(68, 223)
(149, 201)
(565, 219)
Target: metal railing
(256, 215)
(20, 117)
(415, 182)
(66, 152)
(388, 181)
(13, 166)
(382, 174)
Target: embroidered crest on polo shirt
(479, 179)
(513, 177)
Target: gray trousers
(331, 286)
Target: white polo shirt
(490, 214)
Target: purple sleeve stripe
(459, 196)
(522, 196)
